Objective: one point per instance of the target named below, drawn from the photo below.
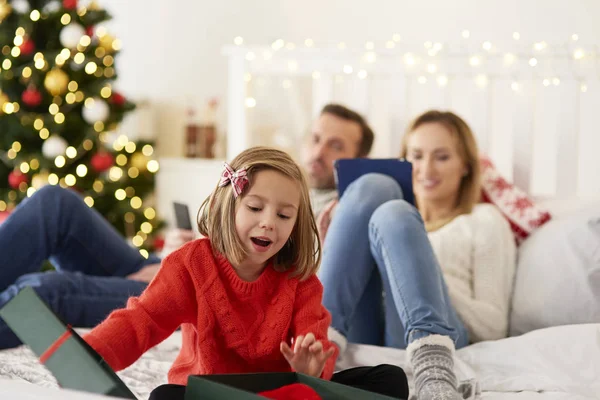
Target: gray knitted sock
(432, 360)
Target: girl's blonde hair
(470, 187)
(216, 217)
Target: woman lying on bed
(445, 269)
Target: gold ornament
(5, 10)
(106, 41)
(56, 81)
(139, 161)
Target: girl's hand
(308, 356)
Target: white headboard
(534, 110)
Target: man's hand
(324, 219)
(308, 356)
(175, 238)
(146, 274)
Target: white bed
(560, 363)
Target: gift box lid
(74, 364)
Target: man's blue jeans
(382, 282)
(91, 258)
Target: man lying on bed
(430, 309)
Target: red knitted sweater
(228, 325)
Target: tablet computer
(347, 170)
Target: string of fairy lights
(130, 161)
(438, 62)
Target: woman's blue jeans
(382, 282)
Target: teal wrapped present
(74, 364)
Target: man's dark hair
(347, 114)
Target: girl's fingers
(308, 340)
(286, 351)
(316, 347)
(298, 343)
(328, 353)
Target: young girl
(246, 296)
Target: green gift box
(74, 364)
(246, 387)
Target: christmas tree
(59, 114)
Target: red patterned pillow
(519, 209)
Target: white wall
(172, 50)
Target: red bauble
(158, 243)
(28, 47)
(15, 178)
(32, 97)
(90, 30)
(70, 4)
(117, 99)
(102, 161)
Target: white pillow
(558, 274)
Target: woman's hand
(175, 238)
(324, 219)
(308, 356)
(146, 274)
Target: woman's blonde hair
(470, 187)
(216, 217)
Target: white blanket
(552, 364)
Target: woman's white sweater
(477, 255)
